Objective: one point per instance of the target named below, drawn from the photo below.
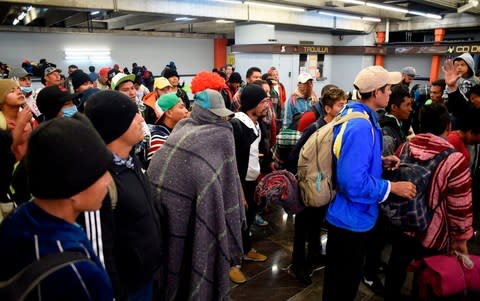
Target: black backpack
(21, 284)
(412, 215)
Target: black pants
(307, 230)
(376, 240)
(404, 250)
(345, 256)
(251, 211)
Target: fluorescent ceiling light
(371, 19)
(277, 6)
(22, 16)
(224, 21)
(396, 8)
(15, 21)
(230, 1)
(29, 8)
(96, 12)
(184, 19)
(469, 5)
(428, 15)
(88, 54)
(352, 17)
(354, 2)
(387, 7)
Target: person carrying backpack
(448, 196)
(357, 158)
(308, 223)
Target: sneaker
(259, 221)
(375, 285)
(299, 274)
(253, 255)
(236, 275)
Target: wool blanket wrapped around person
(198, 192)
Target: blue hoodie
(31, 233)
(360, 187)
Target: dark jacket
(31, 233)
(393, 134)
(131, 236)
(244, 137)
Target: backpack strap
(113, 194)
(19, 286)
(343, 121)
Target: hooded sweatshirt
(450, 185)
(465, 82)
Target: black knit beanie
(65, 156)
(111, 113)
(251, 96)
(170, 73)
(79, 78)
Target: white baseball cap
(304, 77)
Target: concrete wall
(190, 55)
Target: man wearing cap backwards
(126, 234)
(67, 171)
(357, 155)
(249, 144)
(161, 86)
(173, 110)
(198, 189)
(301, 100)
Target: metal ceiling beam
(141, 22)
(7, 28)
(52, 18)
(75, 4)
(208, 9)
(449, 21)
(77, 19)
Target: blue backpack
(412, 215)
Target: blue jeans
(143, 294)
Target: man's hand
(403, 189)
(451, 75)
(390, 162)
(460, 246)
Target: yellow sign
(464, 48)
(315, 49)
(231, 59)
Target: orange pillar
(436, 59)
(219, 52)
(379, 58)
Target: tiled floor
(270, 281)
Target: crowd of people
(158, 190)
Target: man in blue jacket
(66, 164)
(357, 152)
